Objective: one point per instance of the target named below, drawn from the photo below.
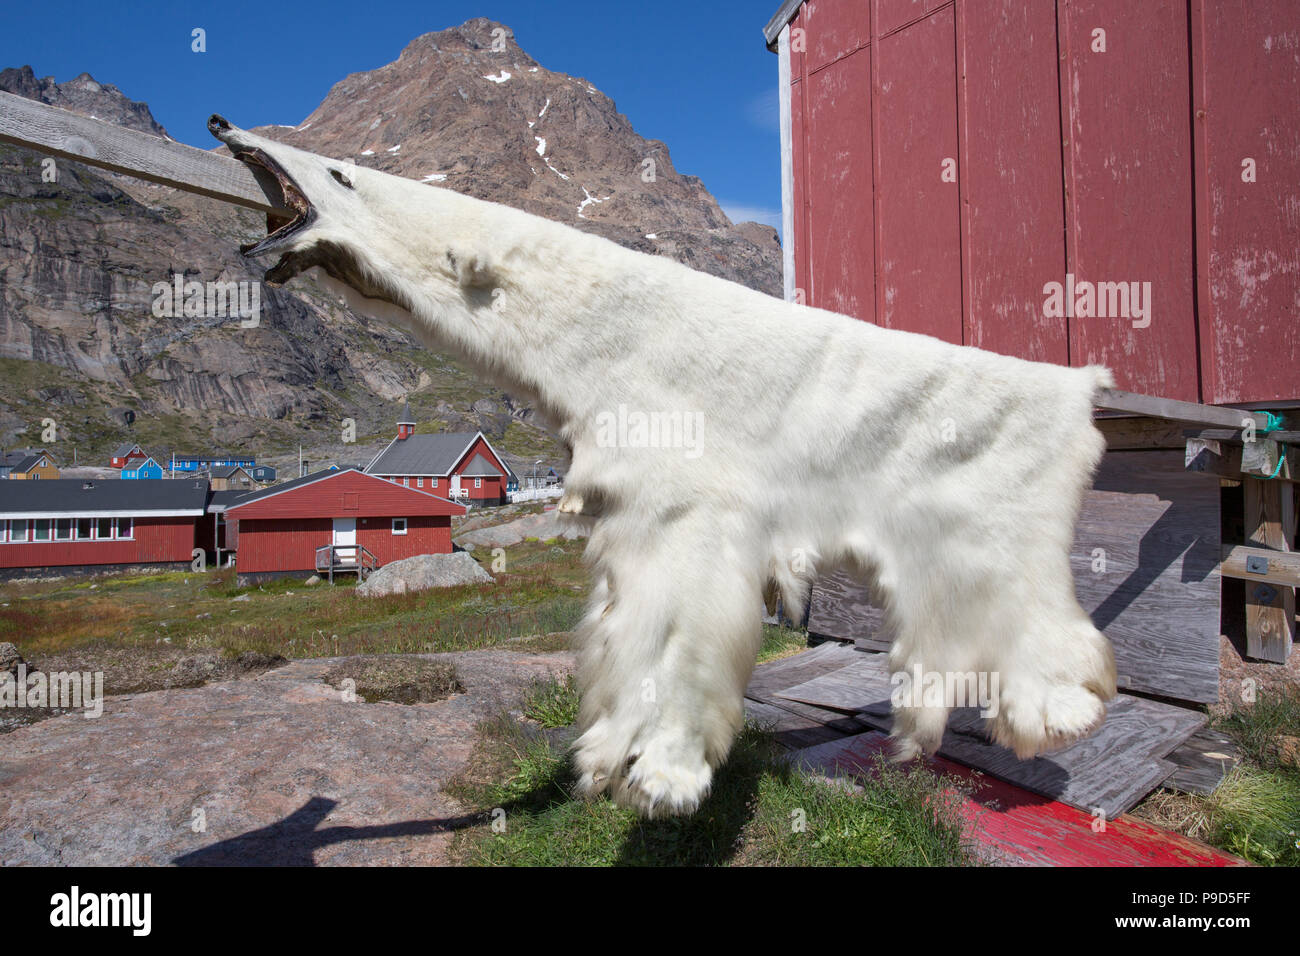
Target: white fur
(826, 443)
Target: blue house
(145, 469)
(263, 474)
(193, 463)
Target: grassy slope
(542, 591)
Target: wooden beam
(1229, 458)
(1130, 433)
(1270, 608)
(67, 135)
(1213, 416)
(1281, 567)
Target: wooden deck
(829, 706)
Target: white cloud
(764, 110)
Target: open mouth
(279, 227)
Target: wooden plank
(841, 607)
(1108, 771)
(68, 135)
(1281, 567)
(1012, 826)
(1270, 608)
(1191, 412)
(1145, 560)
(1234, 435)
(770, 678)
(1202, 761)
(795, 726)
(1128, 433)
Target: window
(63, 529)
(18, 530)
(478, 482)
(104, 528)
(124, 528)
(399, 526)
(419, 482)
(406, 482)
(41, 529)
(84, 526)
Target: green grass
(1254, 726)
(760, 813)
(1255, 811)
(552, 703)
(780, 641)
(543, 592)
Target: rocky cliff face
(464, 109)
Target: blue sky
(695, 75)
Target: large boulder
(543, 527)
(424, 571)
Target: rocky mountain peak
(102, 101)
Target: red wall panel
(1115, 166)
(918, 237)
(839, 188)
(278, 545)
(837, 29)
(1129, 188)
(157, 540)
(1248, 233)
(1012, 200)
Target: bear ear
(472, 270)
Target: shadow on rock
(294, 840)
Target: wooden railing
(345, 559)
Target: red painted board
(834, 29)
(1012, 201)
(892, 15)
(1023, 828)
(1129, 196)
(839, 187)
(1246, 83)
(918, 287)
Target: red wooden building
(277, 532)
(129, 455)
(460, 465)
(1069, 181)
(70, 525)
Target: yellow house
(28, 464)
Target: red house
(70, 525)
(129, 455)
(460, 465)
(278, 532)
(949, 166)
